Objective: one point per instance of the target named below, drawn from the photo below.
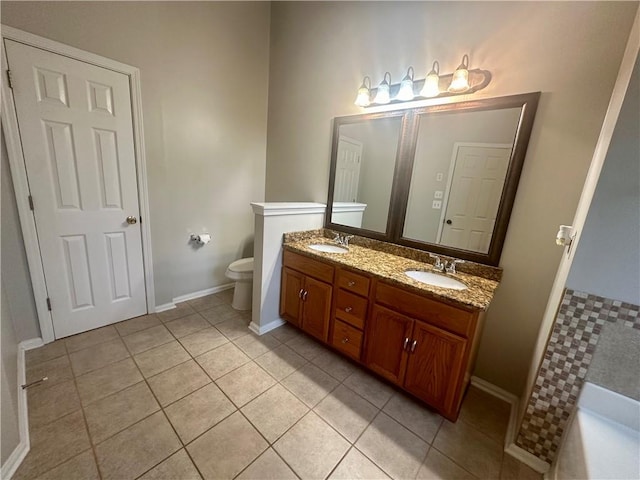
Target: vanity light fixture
(405, 93)
(364, 93)
(383, 95)
(460, 80)
(431, 86)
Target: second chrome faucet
(445, 265)
(342, 240)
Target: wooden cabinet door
(290, 295)
(385, 352)
(435, 365)
(316, 308)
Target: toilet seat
(241, 269)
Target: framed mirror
(441, 178)
(364, 158)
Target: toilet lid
(243, 265)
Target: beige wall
(15, 271)
(204, 73)
(10, 434)
(568, 50)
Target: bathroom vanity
(420, 337)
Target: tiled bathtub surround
(566, 361)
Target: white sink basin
(436, 279)
(322, 247)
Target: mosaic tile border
(564, 367)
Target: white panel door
(347, 170)
(474, 195)
(77, 137)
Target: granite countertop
(391, 268)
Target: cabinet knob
(300, 293)
(304, 295)
(348, 309)
(406, 342)
(351, 283)
(413, 346)
(345, 340)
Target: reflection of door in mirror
(347, 169)
(346, 210)
(365, 162)
(472, 196)
(434, 191)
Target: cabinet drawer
(347, 339)
(444, 316)
(351, 308)
(308, 266)
(354, 282)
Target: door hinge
(10, 79)
(48, 304)
(30, 202)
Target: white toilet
(242, 272)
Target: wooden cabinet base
(420, 345)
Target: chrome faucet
(439, 264)
(342, 240)
(445, 266)
(451, 266)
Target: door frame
(452, 168)
(19, 172)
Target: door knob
(131, 220)
(449, 222)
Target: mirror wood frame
(405, 152)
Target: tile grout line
(84, 415)
(162, 408)
(352, 445)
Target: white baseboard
(510, 447)
(21, 450)
(31, 344)
(202, 293)
(527, 458)
(164, 307)
(261, 330)
(491, 389)
(190, 296)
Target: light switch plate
(438, 194)
(437, 204)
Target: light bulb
(382, 95)
(460, 80)
(406, 87)
(364, 93)
(431, 87)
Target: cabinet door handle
(304, 296)
(413, 346)
(348, 309)
(406, 342)
(345, 340)
(351, 283)
(300, 293)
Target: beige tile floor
(190, 393)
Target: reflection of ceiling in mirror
(365, 163)
(457, 206)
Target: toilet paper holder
(201, 239)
